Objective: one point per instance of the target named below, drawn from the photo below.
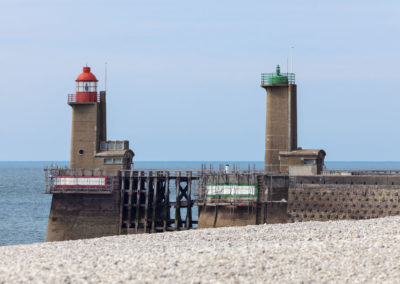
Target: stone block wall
(343, 197)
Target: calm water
(24, 208)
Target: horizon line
(199, 161)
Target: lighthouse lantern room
(86, 86)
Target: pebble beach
(341, 251)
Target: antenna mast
(105, 77)
(291, 59)
(287, 65)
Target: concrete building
(302, 162)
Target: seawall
(83, 216)
(323, 198)
(269, 206)
(140, 201)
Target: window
(103, 146)
(86, 86)
(119, 145)
(81, 152)
(309, 161)
(112, 145)
(109, 161)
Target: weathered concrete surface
(246, 211)
(89, 128)
(281, 123)
(226, 216)
(310, 198)
(276, 213)
(80, 216)
(366, 251)
(85, 135)
(343, 197)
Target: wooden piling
(177, 203)
(138, 193)
(188, 223)
(146, 206)
(128, 225)
(121, 210)
(150, 209)
(166, 203)
(215, 215)
(154, 204)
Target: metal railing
(267, 78)
(54, 173)
(360, 172)
(72, 98)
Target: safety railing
(57, 182)
(72, 98)
(360, 172)
(273, 78)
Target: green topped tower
(281, 122)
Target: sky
(183, 81)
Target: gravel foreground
(342, 251)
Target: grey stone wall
(342, 197)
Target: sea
(24, 207)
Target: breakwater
(25, 207)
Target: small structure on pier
(302, 162)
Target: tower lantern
(86, 86)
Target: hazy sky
(184, 76)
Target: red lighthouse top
(86, 75)
(86, 87)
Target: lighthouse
(281, 120)
(282, 154)
(89, 145)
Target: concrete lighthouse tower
(86, 199)
(89, 145)
(281, 122)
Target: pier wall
(140, 202)
(270, 205)
(83, 216)
(323, 198)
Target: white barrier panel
(80, 181)
(232, 190)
